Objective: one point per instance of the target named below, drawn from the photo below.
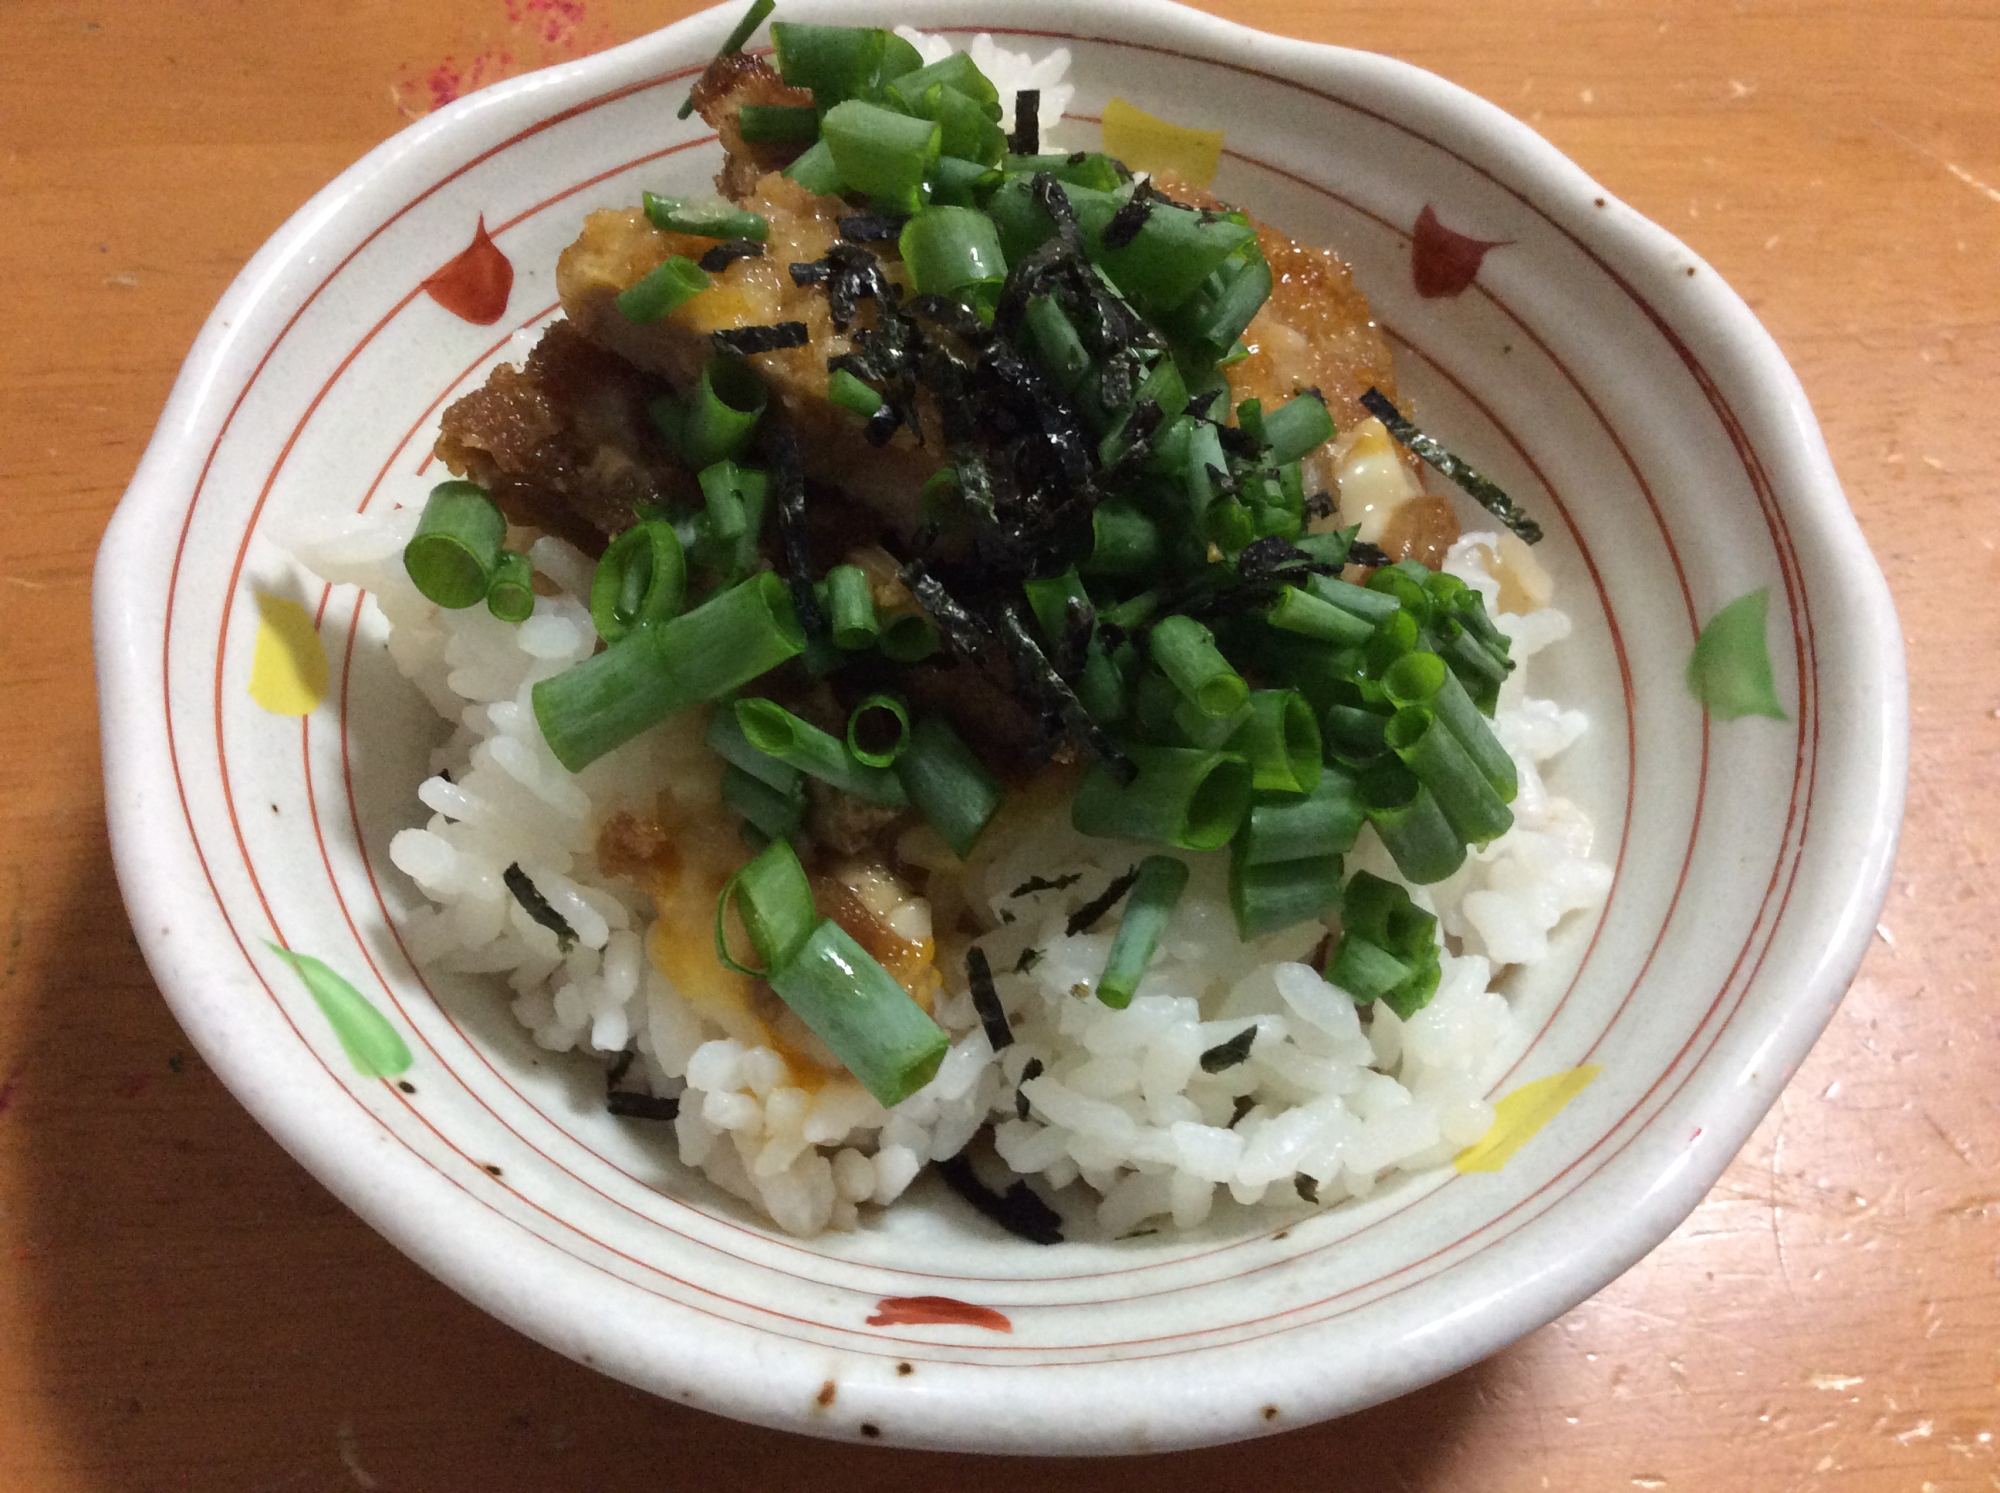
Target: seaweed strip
(1087, 916)
(726, 253)
(1028, 659)
(1041, 884)
(1244, 1104)
(966, 634)
(871, 228)
(620, 1066)
(1489, 494)
(1017, 1210)
(1028, 960)
(1027, 137)
(537, 906)
(1226, 1055)
(788, 491)
(1052, 200)
(1031, 1069)
(986, 999)
(1373, 556)
(748, 341)
(630, 1104)
(810, 272)
(1319, 505)
(1306, 1187)
(1129, 219)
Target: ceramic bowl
(1593, 365)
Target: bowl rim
(1626, 245)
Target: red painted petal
(920, 1311)
(1443, 262)
(476, 284)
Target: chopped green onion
(1300, 425)
(787, 124)
(1148, 908)
(839, 62)
(1730, 671)
(847, 391)
(1280, 739)
(1291, 827)
(641, 579)
(1056, 344)
(726, 739)
(816, 171)
(858, 1010)
(956, 71)
(907, 636)
(1187, 655)
(948, 249)
(1310, 616)
(850, 605)
(878, 719)
(653, 672)
(1410, 823)
(774, 899)
(731, 493)
(1373, 607)
(1278, 894)
(1124, 541)
(1388, 948)
(456, 549)
(969, 132)
(961, 183)
(722, 415)
(511, 594)
(774, 730)
(1441, 764)
(752, 19)
(1095, 171)
(1180, 796)
(774, 812)
(1422, 679)
(952, 790)
(886, 155)
(705, 217)
(666, 286)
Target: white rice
(1331, 1104)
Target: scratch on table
(1991, 194)
(350, 1454)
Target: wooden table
(181, 1307)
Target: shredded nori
(726, 253)
(1489, 494)
(1086, 917)
(1319, 505)
(630, 1104)
(963, 633)
(1244, 1104)
(788, 491)
(1129, 219)
(1028, 960)
(1361, 552)
(986, 999)
(620, 1066)
(537, 906)
(1032, 668)
(871, 228)
(1032, 1069)
(1027, 137)
(1307, 1187)
(1225, 1055)
(1017, 1210)
(748, 341)
(1042, 884)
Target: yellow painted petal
(1521, 1114)
(1148, 144)
(288, 670)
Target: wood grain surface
(181, 1307)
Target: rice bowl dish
(1149, 1105)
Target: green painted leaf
(1730, 673)
(375, 1047)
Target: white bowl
(1596, 368)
